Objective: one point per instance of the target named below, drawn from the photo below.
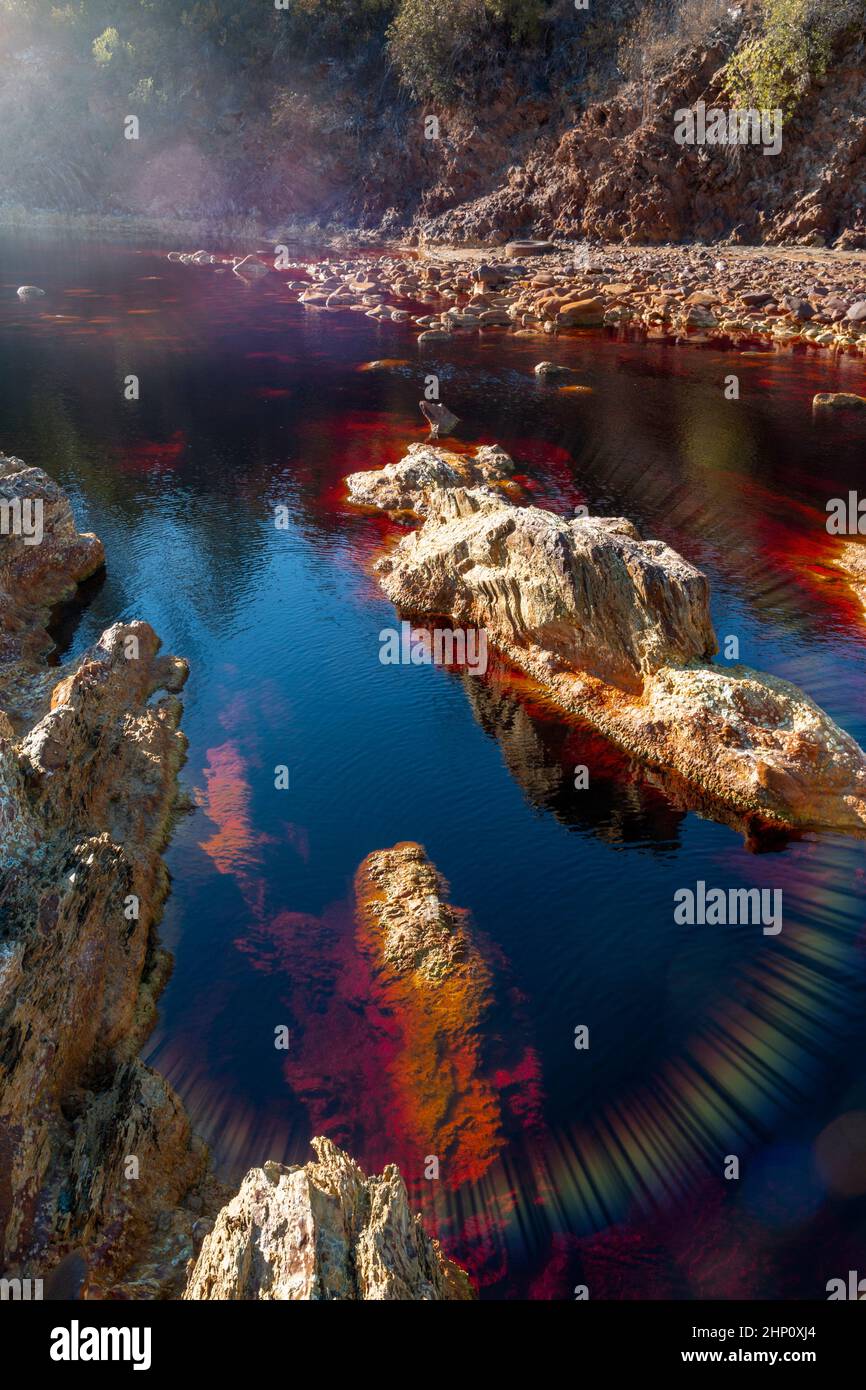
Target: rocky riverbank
(617, 629)
(732, 297)
(105, 1191)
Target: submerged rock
(27, 292)
(617, 630)
(431, 977)
(838, 400)
(321, 1232)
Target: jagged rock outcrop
(321, 1232)
(96, 1151)
(617, 174)
(617, 630)
(42, 558)
(402, 489)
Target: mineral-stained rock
(403, 488)
(322, 1232)
(440, 418)
(617, 630)
(431, 978)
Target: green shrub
(436, 44)
(792, 50)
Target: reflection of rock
(403, 488)
(323, 1232)
(431, 978)
(623, 801)
(617, 630)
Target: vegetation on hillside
(791, 50)
(244, 106)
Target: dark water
(602, 1167)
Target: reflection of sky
(704, 1042)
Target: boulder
(587, 591)
(404, 487)
(439, 417)
(617, 630)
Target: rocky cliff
(617, 630)
(96, 1150)
(322, 1232)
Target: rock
(35, 576)
(587, 591)
(403, 488)
(434, 335)
(617, 630)
(95, 780)
(838, 400)
(856, 314)
(87, 787)
(552, 371)
(322, 1232)
(756, 299)
(800, 308)
(28, 292)
(581, 313)
(440, 418)
(250, 265)
(699, 316)
(432, 980)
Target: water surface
(607, 1166)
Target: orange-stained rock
(432, 979)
